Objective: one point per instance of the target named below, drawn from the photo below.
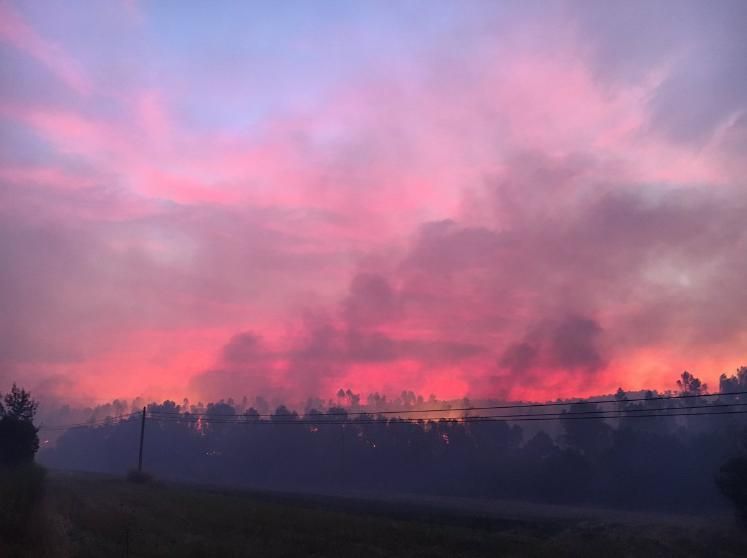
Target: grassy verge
(100, 516)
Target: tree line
(664, 462)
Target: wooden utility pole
(142, 435)
(343, 476)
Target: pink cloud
(16, 32)
(45, 176)
(515, 232)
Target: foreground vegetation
(88, 515)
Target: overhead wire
(375, 417)
(105, 420)
(462, 420)
(323, 419)
(505, 406)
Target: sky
(483, 199)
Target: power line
(461, 420)
(224, 418)
(315, 420)
(542, 417)
(112, 420)
(489, 407)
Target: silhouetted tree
(690, 385)
(19, 439)
(282, 414)
(588, 436)
(735, 383)
(540, 446)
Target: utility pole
(142, 435)
(343, 471)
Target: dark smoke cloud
(569, 285)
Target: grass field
(97, 516)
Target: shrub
(18, 442)
(732, 481)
